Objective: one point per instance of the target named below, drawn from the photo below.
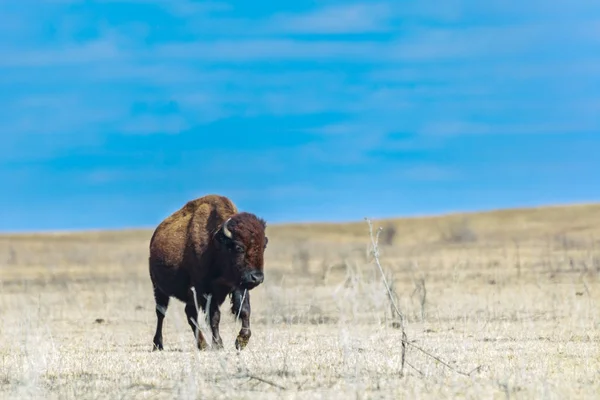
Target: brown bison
(202, 253)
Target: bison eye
(238, 248)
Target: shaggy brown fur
(204, 251)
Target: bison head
(243, 243)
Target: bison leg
(162, 303)
(192, 315)
(241, 307)
(215, 318)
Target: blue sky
(115, 113)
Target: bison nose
(254, 278)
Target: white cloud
(454, 128)
(464, 128)
(428, 172)
(473, 44)
(73, 54)
(56, 114)
(343, 148)
(371, 128)
(152, 124)
(274, 50)
(341, 18)
(528, 70)
(190, 8)
(282, 192)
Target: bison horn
(226, 231)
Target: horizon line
(292, 223)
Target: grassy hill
(580, 220)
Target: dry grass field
(510, 300)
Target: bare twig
(375, 250)
(197, 330)
(518, 249)
(237, 317)
(207, 307)
(420, 288)
(423, 292)
(268, 382)
(404, 339)
(585, 286)
(415, 368)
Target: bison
(202, 253)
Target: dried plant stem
(237, 317)
(268, 382)
(374, 242)
(405, 342)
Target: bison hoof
(241, 342)
(157, 346)
(202, 345)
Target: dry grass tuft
(518, 307)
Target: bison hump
(190, 226)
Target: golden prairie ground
(511, 296)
